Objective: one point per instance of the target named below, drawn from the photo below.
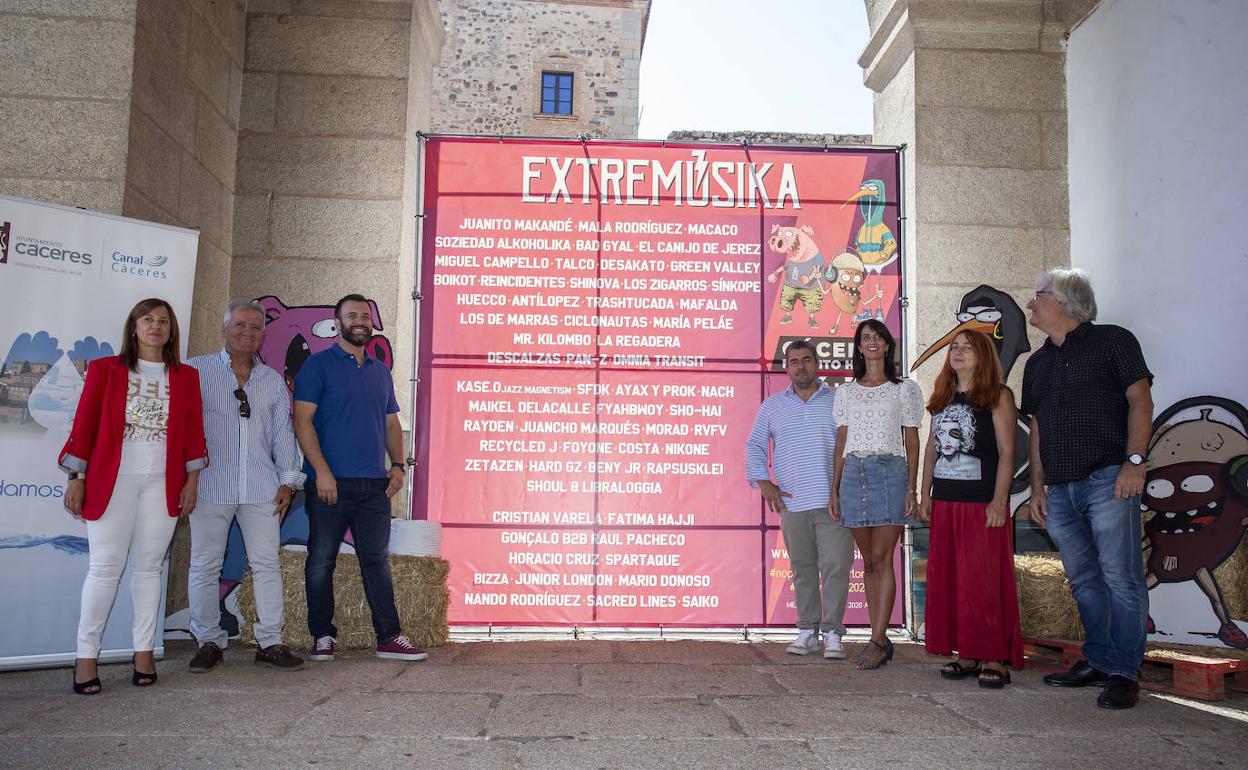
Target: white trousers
(210, 530)
(136, 524)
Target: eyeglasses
(244, 406)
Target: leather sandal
(955, 670)
(142, 678)
(84, 688)
(994, 679)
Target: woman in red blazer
(133, 456)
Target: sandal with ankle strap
(874, 656)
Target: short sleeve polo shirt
(1077, 391)
(352, 403)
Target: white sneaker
(832, 647)
(807, 641)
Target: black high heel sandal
(141, 679)
(84, 688)
(874, 656)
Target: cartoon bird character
(1197, 487)
(802, 268)
(875, 243)
(994, 313)
(845, 275)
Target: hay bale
(420, 595)
(1232, 576)
(1044, 600)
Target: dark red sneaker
(400, 648)
(323, 648)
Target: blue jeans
(1099, 539)
(363, 506)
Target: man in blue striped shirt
(254, 473)
(798, 425)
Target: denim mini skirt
(873, 491)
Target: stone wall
(977, 92)
(65, 109)
(489, 78)
(188, 64)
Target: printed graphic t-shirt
(966, 446)
(147, 417)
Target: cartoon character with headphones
(1197, 491)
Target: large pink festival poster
(599, 323)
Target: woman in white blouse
(877, 466)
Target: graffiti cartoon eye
(985, 314)
(1198, 483)
(857, 278)
(1159, 489)
(326, 329)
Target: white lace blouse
(875, 416)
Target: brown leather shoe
(279, 656)
(208, 656)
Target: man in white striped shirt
(798, 426)
(255, 471)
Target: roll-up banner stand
(599, 322)
(68, 278)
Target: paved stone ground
(592, 704)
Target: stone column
(977, 92)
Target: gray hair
(241, 304)
(1072, 287)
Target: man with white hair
(254, 473)
(1088, 391)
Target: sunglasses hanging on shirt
(244, 406)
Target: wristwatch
(1135, 458)
(400, 466)
(77, 476)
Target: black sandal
(84, 688)
(142, 678)
(955, 670)
(871, 660)
(993, 679)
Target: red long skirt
(972, 599)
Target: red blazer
(94, 444)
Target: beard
(358, 336)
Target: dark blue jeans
(364, 508)
(1099, 539)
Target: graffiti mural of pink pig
(291, 334)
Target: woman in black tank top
(972, 600)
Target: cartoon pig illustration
(291, 334)
(803, 269)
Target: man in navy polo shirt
(347, 423)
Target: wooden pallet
(1194, 675)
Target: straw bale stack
(1044, 600)
(420, 594)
